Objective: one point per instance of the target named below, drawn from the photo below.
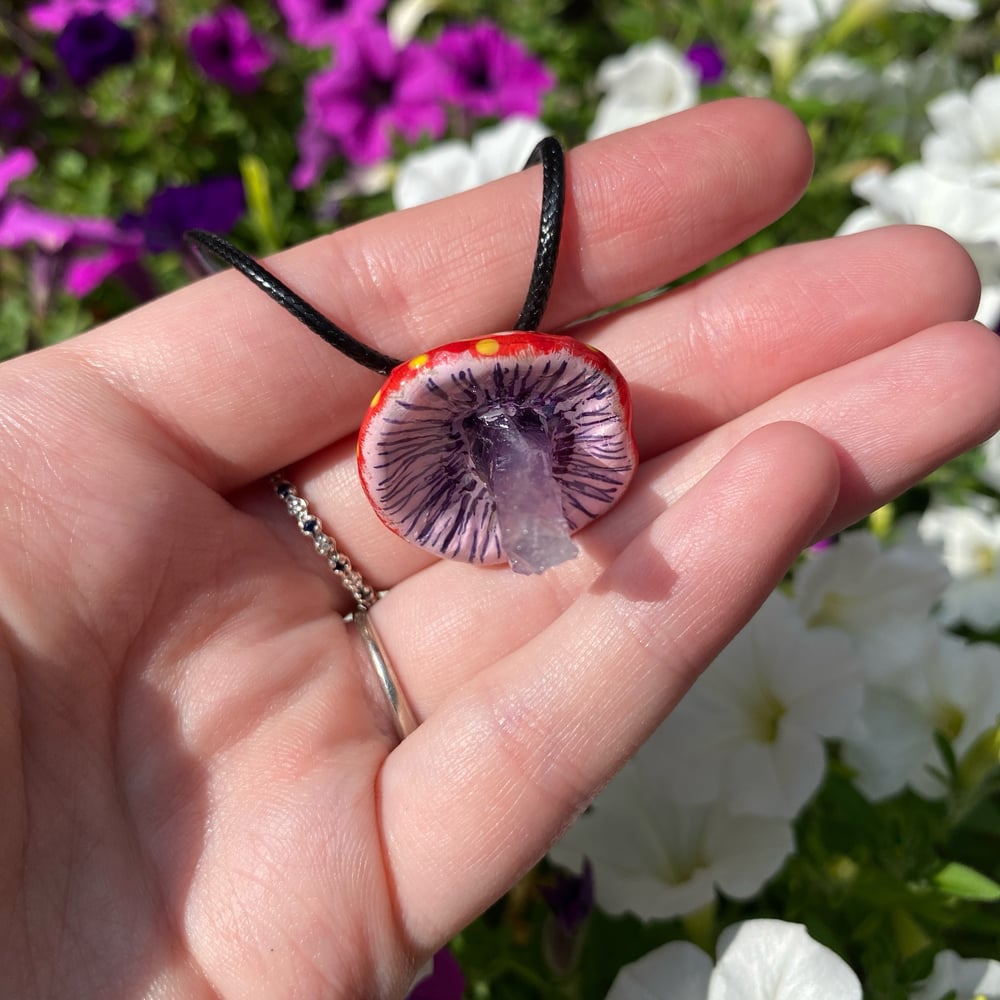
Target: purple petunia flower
(372, 92)
(446, 982)
(226, 50)
(707, 60)
(491, 73)
(215, 204)
(571, 897)
(56, 14)
(16, 110)
(90, 44)
(571, 900)
(316, 23)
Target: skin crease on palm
(201, 795)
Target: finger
(702, 356)
(489, 780)
(891, 419)
(716, 349)
(243, 388)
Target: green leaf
(256, 184)
(966, 883)
(15, 326)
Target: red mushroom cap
(463, 442)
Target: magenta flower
(86, 273)
(707, 60)
(491, 74)
(316, 23)
(316, 149)
(68, 251)
(226, 50)
(373, 92)
(23, 224)
(14, 165)
(92, 43)
(56, 14)
(445, 982)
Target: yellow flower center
(766, 717)
(949, 720)
(835, 609)
(984, 559)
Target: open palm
(201, 794)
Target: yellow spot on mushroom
(488, 346)
(375, 399)
(418, 362)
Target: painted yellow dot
(375, 399)
(488, 347)
(418, 362)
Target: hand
(201, 793)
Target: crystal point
(512, 452)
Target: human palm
(202, 795)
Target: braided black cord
(550, 153)
(287, 299)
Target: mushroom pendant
(490, 449)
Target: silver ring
(402, 715)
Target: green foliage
(157, 122)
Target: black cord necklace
(487, 449)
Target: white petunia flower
(881, 597)
(957, 10)
(861, 11)
(454, 166)
(970, 541)
(898, 741)
(677, 970)
(656, 858)
(758, 960)
(650, 80)
(750, 731)
(794, 18)
(858, 585)
(990, 472)
(907, 85)
(835, 78)
(404, 17)
(963, 978)
(965, 143)
(953, 690)
(782, 27)
(967, 212)
(776, 960)
(800, 19)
